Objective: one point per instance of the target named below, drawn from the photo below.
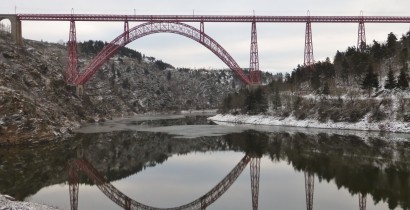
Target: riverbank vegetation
(369, 84)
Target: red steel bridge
(125, 202)
(151, 24)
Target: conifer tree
(345, 71)
(370, 81)
(256, 102)
(390, 81)
(326, 90)
(402, 81)
(391, 43)
(276, 100)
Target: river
(176, 160)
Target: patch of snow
(210, 111)
(386, 125)
(6, 202)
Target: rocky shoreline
(8, 203)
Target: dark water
(171, 161)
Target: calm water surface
(170, 161)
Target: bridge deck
(214, 18)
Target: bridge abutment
(16, 30)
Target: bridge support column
(362, 201)
(255, 174)
(16, 30)
(308, 60)
(361, 35)
(254, 73)
(72, 63)
(309, 188)
(73, 181)
(79, 90)
(201, 31)
(126, 31)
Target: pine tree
(345, 71)
(227, 104)
(390, 81)
(315, 80)
(276, 100)
(326, 90)
(370, 81)
(391, 43)
(256, 102)
(402, 81)
(262, 102)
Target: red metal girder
(255, 169)
(202, 31)
(73, 181)
(126, 31)
(308, 60)
(72, 63)
(362, 201)
(254, 73)
(214, 18)
(361, 37)
(160, 27)
(309, 188)
(127, 203)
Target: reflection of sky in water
(183, 178)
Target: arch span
(126, 202)
(160, 27)
(15, 27)
(5, 25)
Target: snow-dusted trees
(370, 81)
(402, 81)
(256, 102)
(248, 101)
(391, 80)
(391, 43)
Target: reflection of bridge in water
(203, 202)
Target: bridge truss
(79, 78)
(160, 27)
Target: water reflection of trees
(371, 166)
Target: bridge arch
(15, 27)
(5, 25)
(126, 202)
(159, 27)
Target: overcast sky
(281, 45)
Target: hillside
(366, 89)
(36, 105)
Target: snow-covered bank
(5, 203)
(386, 126)
(205, 111)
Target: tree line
(93, 47)
(378, 66)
